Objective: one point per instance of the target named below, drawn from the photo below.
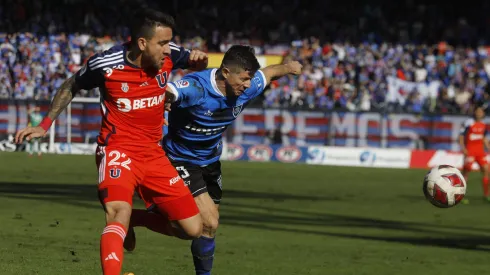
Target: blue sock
(203, 255)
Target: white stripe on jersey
(175, 48)
(108, 64)
(104, 57)
(106, 60)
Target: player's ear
(142, 43)
(225, 72)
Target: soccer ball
(444, 186)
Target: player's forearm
(170, 95)
(273, 72)
(63, 97)
(461, 143)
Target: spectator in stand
(350, 52)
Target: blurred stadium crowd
(413, 57)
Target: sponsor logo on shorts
(288, 154)
(174, 180)
(219, 181)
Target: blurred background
(437, 59)
(386, 84)
(412, 64)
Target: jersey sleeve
(466, 127)
(188, 92)
(179, 56)
(89, 77)
(257, 85)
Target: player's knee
(484, 168)
(210, 223)
(118, 211)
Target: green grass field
(275, 219)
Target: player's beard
(230, 92)
(152, 65)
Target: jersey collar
(213, 83)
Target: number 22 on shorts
(118, 160)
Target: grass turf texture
(275, 219)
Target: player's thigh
(482, 163)
(164, 187)
(192, 175)
(214, 181)
(118, 175)
(468, 162)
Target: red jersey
(132, 102)
(474, 133)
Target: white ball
(444, 186)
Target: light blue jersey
(201, 114)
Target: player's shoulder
(204, 74)
(197, 80)
(469, 122)
(108, 58)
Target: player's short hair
(145, 21)
(241, 57)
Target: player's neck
(220, 82)
(133, 56)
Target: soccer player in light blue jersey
(204, 104)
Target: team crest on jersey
(237, 110)
(115, 173)
(125, 87)
(162, 79)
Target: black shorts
(201, 179)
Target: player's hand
(198, 60)
(168, 108)
(294, 67)
(29, 133)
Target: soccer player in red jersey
(132, 78)
(473, 142)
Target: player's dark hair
(242, 57)
(146, 20)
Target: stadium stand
(429, 61)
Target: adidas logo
(208, 113)
(112, 256)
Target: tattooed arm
(63, 97)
